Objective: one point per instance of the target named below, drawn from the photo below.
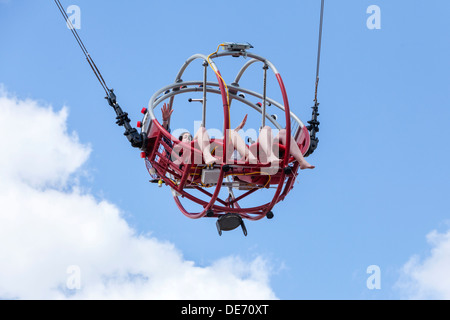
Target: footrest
(230, 221)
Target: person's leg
(203, 141)
(238, 144)
(294, 150)
(265, 140)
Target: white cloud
(36, 148)
(428, 278)
(46, 226)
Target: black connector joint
(137, 140)
(313, 128)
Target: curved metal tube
(157, 99)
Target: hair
(181, 135)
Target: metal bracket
(230, 221)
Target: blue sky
(378, 195)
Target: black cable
(319, 49)
(313, 126)
(66, 18)
(83, 48)
(137, 140)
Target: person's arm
(240, 126)
(166, 114)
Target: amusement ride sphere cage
(183, 174)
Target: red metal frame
(183, 176)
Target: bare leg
(239, 144)
(203, 140)
(265, 140)
(294, 150)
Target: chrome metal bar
(205, 73)
(264, 97)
